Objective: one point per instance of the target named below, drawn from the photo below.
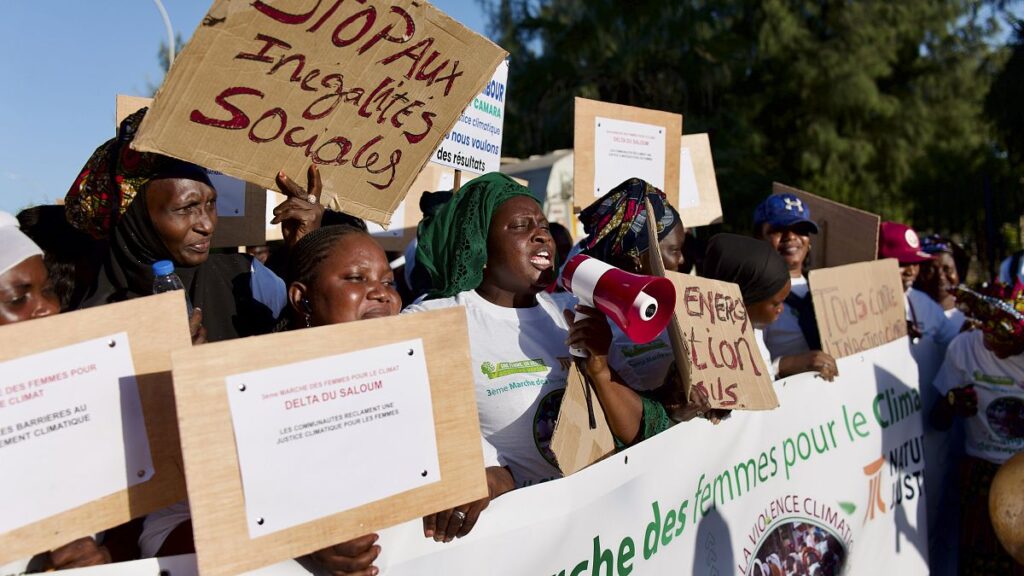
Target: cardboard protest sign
(612, 143)
(846, 235)
(406, 218)
(474, 143)
(698, 202)
(724, 357)
(365, 90)
(125, 106)
(72, 390)
(858, 306)
(575, 444)
(374, 424)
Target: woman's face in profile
(184, 215)
(354, 282)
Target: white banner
(830, 482)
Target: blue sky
(64, 61)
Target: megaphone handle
(579, 352)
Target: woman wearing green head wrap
(489, 249)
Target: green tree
(876, 104)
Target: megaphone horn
(640, 305)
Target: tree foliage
(880, 105)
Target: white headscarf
(15, 246)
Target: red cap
(899, 241)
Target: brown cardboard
(573, 442)
(846, 235)
(858, 306)
(583, 144)
(709, 211)
(725, 361)
(377, 84)
(125, 106)
(212, 471)
(156, 326)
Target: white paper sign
(394, 229)
(474, 143)
(71, 429)
(689, 197)
(623, 150)
(323, 436)
(230, 195)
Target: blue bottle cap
(163, 268)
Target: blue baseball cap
(784, 211)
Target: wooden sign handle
(458, 181)
(675, 333)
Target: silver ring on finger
(311, 198)
(459, 515)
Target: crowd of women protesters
(489, 248)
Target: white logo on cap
(911, 238)
(792, 203)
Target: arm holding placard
(589, 330)
(813, 361)
(457, 522)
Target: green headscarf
(452, 241)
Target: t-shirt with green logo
(996, 432)
(520, 366)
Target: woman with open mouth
(489, 249)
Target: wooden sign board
(698, 202)
(575, 444)
(725, 361)
(846, 235)
(239, 204)
(858, 306)
(365, 90)
(612, 143)
(220, 521)
(155, 326)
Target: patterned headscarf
(110, 181)
(452, 241)
(616, 224)
(998, 308)
(935, 244)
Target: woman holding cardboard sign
(489, 249)
(785, 222)
(150, 207)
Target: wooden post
(675, 333)
(458, 181)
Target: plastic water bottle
(165, 280)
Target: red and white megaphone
(641, 306)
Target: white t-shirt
(996, 432)
(641, 366)
(784, 337)
(520, 366)
(930, 317)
